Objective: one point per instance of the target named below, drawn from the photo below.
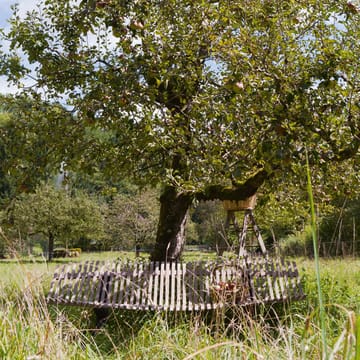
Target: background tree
(28, 153)
(209, 219)
(6, 188)
(131, 220)
(60, 218)
(209, 99)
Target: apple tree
(209, 99)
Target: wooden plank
(249, 283)
(231, 278)
(200, 271)
(82, 283)
(259, 276)
(76, 286)
(298, 290)
(270, 296)
(140, 285)
(122, 284)
(189, 283)
(276, 274)
(149, 294)
(223, 280)
(183, 278)
(149, 268)
(196, 296)
(207, 282)
(69, 282)
(217, 277)
(116, 280)
(87, 284)
(111, 283)
(173, 288)
(128, 274)
(166, 285)
(133, 286)
(93, 284)
(283, 281)
(212, 283)
(106, 278)
(161, 286)
(56, 283)
(178, 286)
(64, 285)
(97, 284)
(155, 304)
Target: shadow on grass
(125, 329)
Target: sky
(5, 13)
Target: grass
(29, 329)
(316, 259)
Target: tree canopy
(209, 98)
(61, 218)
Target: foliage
(233, 88)
(56, 215)
(28, 152)
(209, 220)
(6, 186)
(298, 244)
(97, 184)
(339, 230)
(209, 99)
(131, 219)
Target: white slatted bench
(175, 286)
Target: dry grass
(29, 329)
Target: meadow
(31, 329)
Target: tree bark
(174, 206)
(239, 191)
(170, 238)
(51, 246)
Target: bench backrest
(175, 286)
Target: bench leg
(101, 316)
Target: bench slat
(176, 286)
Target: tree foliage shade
(209, 98)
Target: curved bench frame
(176, 286)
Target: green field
(29, 329)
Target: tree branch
(237, 192)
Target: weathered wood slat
(172, 288)
(148, 295)
(116, 288)
(176, 286)
(183, 286)
(132, 287)
(167, 276)
(196, 295)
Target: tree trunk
(170, 238)
(51, 246)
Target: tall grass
(316, 257)
(30, 329)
